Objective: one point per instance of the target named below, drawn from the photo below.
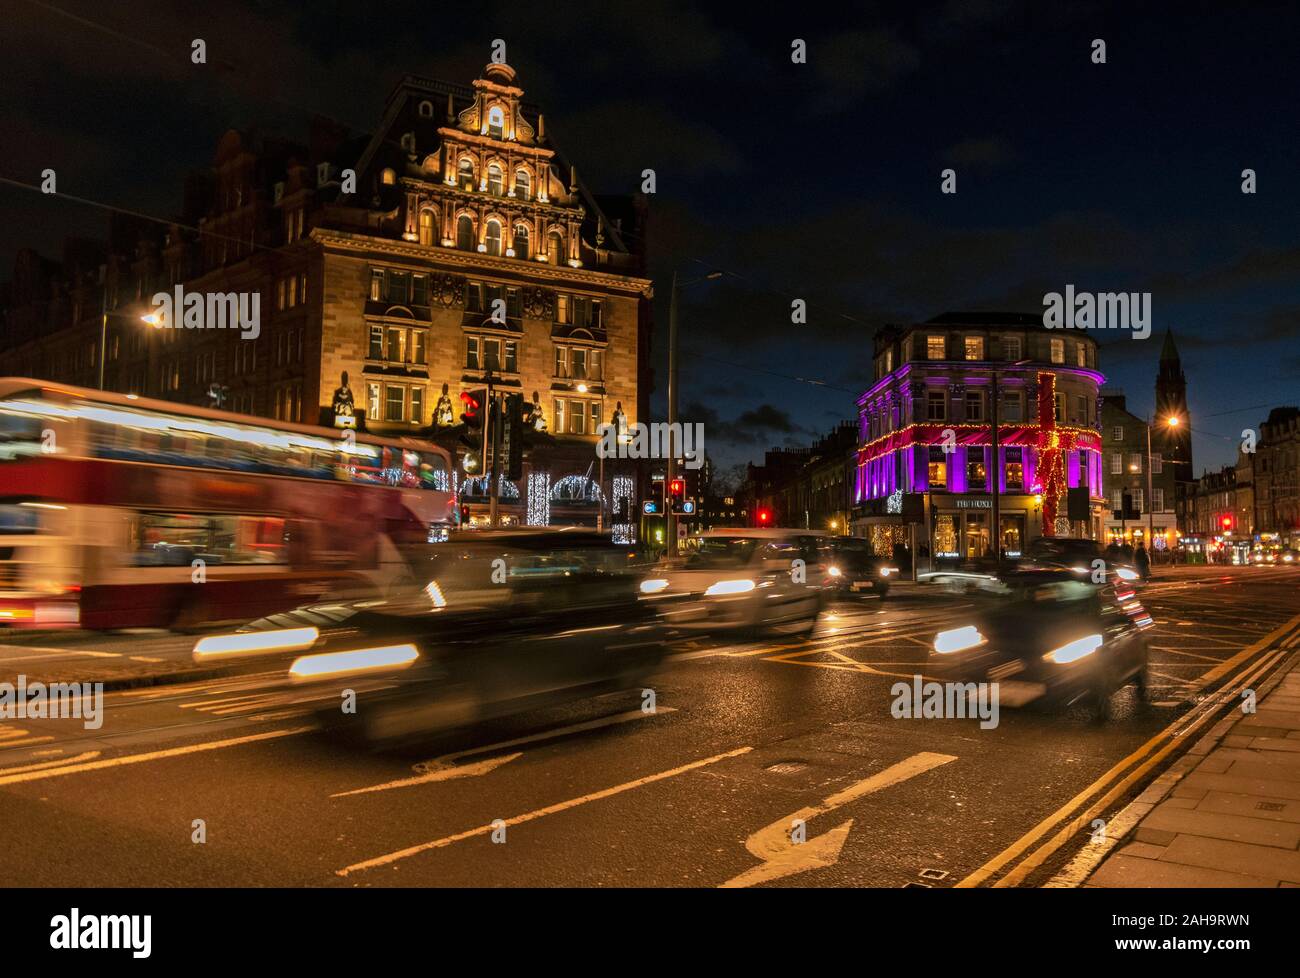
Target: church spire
(1169, 352)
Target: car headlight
(886, 571)
(1125, 574)
(356, 662)
(653, 586)
(255, 643)
(958, 640)
(1288, 558)
(1073, 651)
(833, 571)
(729, 587)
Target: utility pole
(491, 423)
(670, 522)
(996, 478)
(1151, 540)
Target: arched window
(465, 233)
(521, 241)
(496, 181)
(523, 185)
(465, 173)
(496, 122)
(554, 248)
(493, 237)
(389, 176)
(426, 110)
(426, 227)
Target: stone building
(451, 247)
(925, 433)
(1124, 444)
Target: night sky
(818, 181)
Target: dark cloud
(985, 151)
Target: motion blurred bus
(118, 511)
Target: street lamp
(152, 318)
(670, 522)
(1172, 421)
(582, 388)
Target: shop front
(962, 526)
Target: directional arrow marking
(782, 857)
(445, 767)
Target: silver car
(755, 580)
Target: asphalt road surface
(745, 739)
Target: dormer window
(496, 122)
(426, 110)
(388, 177)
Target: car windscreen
(723, 552)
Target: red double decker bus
(118, 511)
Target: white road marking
(156, 755)
(563, 806)
(782, 857)
(442, 768)
(18, 769)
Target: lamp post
(1173, 422)
(581, 388)
(998, 469)
(669, 522)
(152, 318)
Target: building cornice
(365, 245)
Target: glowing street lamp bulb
(582, 388)
(153, 319)
(1174, 422)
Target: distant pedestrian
(1142, 562)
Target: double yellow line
(1145, 757)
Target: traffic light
(764, 517)
(472, 412)
(1227, 522)
(652, 507)
(676, 488)
(464, 514)
(471, 408)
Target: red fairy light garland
(1052, 445)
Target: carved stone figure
(444, 416)
(342, 403)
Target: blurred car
(756, 580)
(853, 565)
(505, 621)
(1077, 555)
(1048, 638)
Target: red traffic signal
(1226, 522)
(676, 487)
(471, 406)
(764, 517)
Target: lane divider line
(156, 755)
(392, 857)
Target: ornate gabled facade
(451, 246)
